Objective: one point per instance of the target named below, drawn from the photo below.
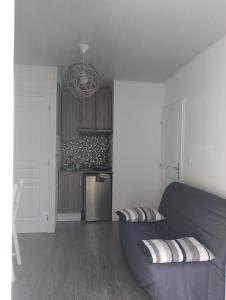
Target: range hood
(97, 131)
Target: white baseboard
(68, 217)
(115, 218)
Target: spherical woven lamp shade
(82, 80)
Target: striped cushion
(186, 249)
(139, 214)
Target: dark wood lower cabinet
(69, 200)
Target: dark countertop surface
(82, 171)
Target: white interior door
(31, 161)
(172, 143)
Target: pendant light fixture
(81, 79)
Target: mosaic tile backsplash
(86, 152)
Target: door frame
(37, 81)
(182, 102)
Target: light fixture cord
(83, 58)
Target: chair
(17, 191)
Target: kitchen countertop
(82, 171)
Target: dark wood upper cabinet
(104, 109)
(93, 112)
(87, 112)
(70, 116)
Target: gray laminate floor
(78, 262)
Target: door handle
(178, 171)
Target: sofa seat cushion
(164, 281)
(192, 212)
(130, 234)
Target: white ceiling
(144, 40)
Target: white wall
(203, 83)
(136, 144)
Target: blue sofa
(188, 212)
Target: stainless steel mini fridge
(98, 206)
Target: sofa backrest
(193, 212)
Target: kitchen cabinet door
(69, 192)
(87, 112)
(70, 117)
(104, 109)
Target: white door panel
(30, 209)
(31, 155)
(172, 143)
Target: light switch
(189, 161)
